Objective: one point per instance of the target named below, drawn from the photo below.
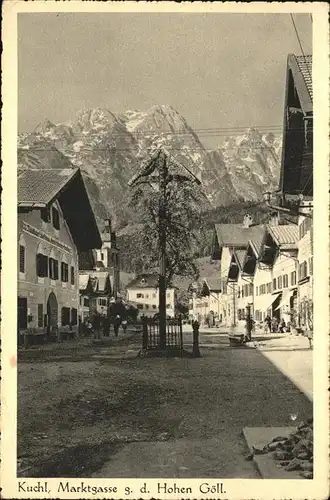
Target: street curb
(258, 437)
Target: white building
(143, 292)
(229, 246)
(278, 256)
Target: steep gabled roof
(285, 236)
(38, 188)
(213, 283)
(144, 281)
(301, 68)
(236, 235)
(296, 174)
(239, 256)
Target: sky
(218, 70)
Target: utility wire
(300, 45)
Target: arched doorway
(52, 314)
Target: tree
(182, 215)
(166, 197)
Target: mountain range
(109, 148)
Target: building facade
(50, 236)
(143, 293)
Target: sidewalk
(292, 355)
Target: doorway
(52, 314)
(21, 316)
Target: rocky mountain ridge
(109, 148)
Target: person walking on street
(124, 325)
(116, 324)
(268, 323)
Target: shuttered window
(40, 315)
(285, 281)
(56, 218)
(45, 214)
(22, 259)
(42, 265)
(72, 275)
(64, 272)
(279, 282)
(65, 316)
(53, 269)
(293, 278)
(74, 316)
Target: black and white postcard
(164, 282)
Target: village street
(104, 412)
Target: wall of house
(37, 236)
(147, 300)
(282, 278)
(305, 273)
(226, 302)
(262, 301)
(245, 297)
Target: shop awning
(271, 300)
(285, 300)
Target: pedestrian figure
(275, 325)
(124, 325)
(282, 326)
(116, 324)
(97, 326)
(268, 323)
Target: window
(22, 259)
(102, 302)
(86, 301)
(147, 296)
(285, 281)
(311, 266)
(147, 306)
(42, 265)
(154, 295)
(155, 307)
(72, 275)
(251, 289)
(139, 296)
(293, 278)
(238, 292)
(65, 316)
(56, 218)
(269, 288)
(243, 291)
(139, 306)
(40, 315)
(279, 282)
(102, 256)
(304, 227)
(168, 306)
(64, 272)
(45, 214)
(257, 290)
(53, 268)
(74, 316)
(274, 284)
(302, 270)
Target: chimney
(247, 220)
(274, 219)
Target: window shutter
(62, 271)
(21, 259)
(38, 266)
(72, 275)
(55, 269)
(56, 218)
(40, 315)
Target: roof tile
(41, 186)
